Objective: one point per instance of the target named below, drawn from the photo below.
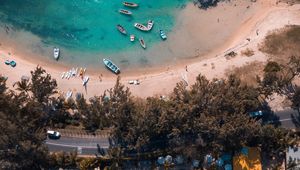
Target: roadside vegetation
(211, 117)
(282, 43)
(248, 73)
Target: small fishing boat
(141, 27)
(132, 37)
(85, 80)
(56, 53)
(72, 71)
(121, 29)
(76, 72)
(13, 63)
(7, 62)
(63, 75)
(69, 94)
(150, 24)
(110, 65)
(69, 75)
(126, 12)
(142, 42)
(162, 34)
(134, 82)
(130, 4)
(81, 72)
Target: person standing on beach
(186, 69)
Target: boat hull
(130, 4)
(121, 29)
(142, 42)
(125, 12)
(56, 53)
(140, 27)
(111, 66)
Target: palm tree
(23, 85)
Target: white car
(53, 134)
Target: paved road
(83, 146)
(285, 117)
(88, 146)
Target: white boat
(162, 34)
(63, 75)
(56, 53)
(69, 94)
(141, 27)
(76, 71)
(150, 24)
(73, 72)
(69, 75)
(85, 80)
(134, 82)
(125, 12)
(132, 37)
(142, 42)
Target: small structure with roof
(249, 158)
(293, 158)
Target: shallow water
(85, 30)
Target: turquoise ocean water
(85, 30)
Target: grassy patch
(248, 73)
(282, 43)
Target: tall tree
(22, 133)
(43, 86)
(121, 111)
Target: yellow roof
(250, 162)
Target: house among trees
(293, 158)
(249, 158)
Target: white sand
(264, 16)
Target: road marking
(284, 120)
(79, 150)
(76, 146)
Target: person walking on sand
(186, 69)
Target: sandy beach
(265, 16)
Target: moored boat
(111, 66)
(150, 24)
(141, 27)
(121, 29)
(56, 53)
(81, 72)
(63, 75)
(162, 34)
(130, 4)
(124, 11)
(85, 80)
(132, 37)
(142, 42)
(69, 94)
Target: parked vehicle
(257, 114)
(53, 134)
